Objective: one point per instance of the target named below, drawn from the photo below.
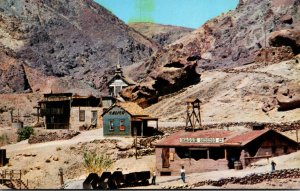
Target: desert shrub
(3, 139)
(24, 133)
(97, 163)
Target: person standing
(182, 174)
(273, 164)
(153, 177)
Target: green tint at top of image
(186, 13)
(143, 11)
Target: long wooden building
(210, 150)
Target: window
(81, 115)
(122, 125)
(111, 125)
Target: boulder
(269, 104)
(288, 97)
(123, 146)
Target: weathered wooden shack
(68, 111)
(210, 150)
(126, 119)
(56, 108)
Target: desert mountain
(161, 34)
(63, 45)
(232, 39)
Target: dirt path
(283, 162)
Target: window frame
(122, 124)
(111, 125)
(81, 115)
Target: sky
(186, 13)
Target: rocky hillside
(161, 34)
(232, 39)
(266, 93)
(63, 45)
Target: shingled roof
(132, 108)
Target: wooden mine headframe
(193, 116)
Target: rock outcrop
(75, 43)
(41, 137)
(171, 78)
(232, 39)
(290, 38)
(285, 98)
(13, 77)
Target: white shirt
(182, 170)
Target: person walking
(182, 174)
(273, 164)
(153, 177)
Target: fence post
(20, 180)
(11, 174)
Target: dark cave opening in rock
(174, 65)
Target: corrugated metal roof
(230, 137)
(174, 139)
(247, 137)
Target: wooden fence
(13, 179)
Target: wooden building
(210, 150)
(118, 82)
(85, 112)
(126, 119)
(56, 109)
(68, 111)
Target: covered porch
(140, 128)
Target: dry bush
(97, 163)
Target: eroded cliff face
(12, 74)
(229, 40)
(70, 41)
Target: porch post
(225, 153)
(142, 129)
(208, 153)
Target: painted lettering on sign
(201, 140)
(116, 112)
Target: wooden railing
(13, 179)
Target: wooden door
(94, 118)
(165, 157)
